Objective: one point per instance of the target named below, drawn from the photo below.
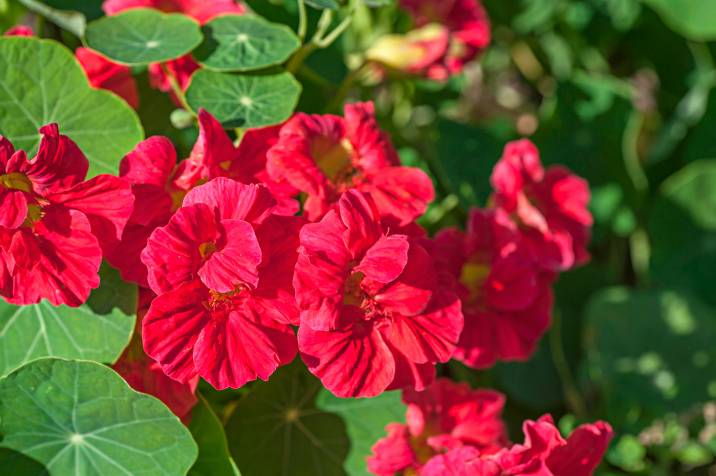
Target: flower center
(333, 158)
(206, 249)
(473, 275)
(353, 295)
(16, 181)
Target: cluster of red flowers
(228, 267)
(454, 430)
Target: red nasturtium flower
(222, 269)
(506, 298)
(548, 206)
(54, 224)
(372, 314)
(453, 430)
(105, 74)
(448, 34)
(159, 184)
(324, 156)
(445, 416)
(145, 375)
(201, 10)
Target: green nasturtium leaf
(694, 19)
(82, 418)
(40, 83)
(651, 352)
(214, 458)
(17, 464)
(277, 429)
(98, 330)
(682, 228)
(247, 101)
(365, 420)
(143, 35)
(244, 43)
(323, 4)
(72, 21)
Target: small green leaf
(74, 22)
(322, 4)
(245, 100)
(365, 420)
(143, 35)
(41, 82)
(42, 330)
(82, 418)
(378, 3)
(277, 429)
(244, 43)
(694, 19)
(214, 458)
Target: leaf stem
(573, 397)
(176, 88)
(302, 20)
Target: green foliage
(244, 43)
(323, 4)
(278, 429)
(695, 19)
(365, 420)
(142, 36)
(214, 458)
(42, 83)
(82, 418)
(245, 100)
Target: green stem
(345, 88)
(176, 88)
(302, 20)
(326, 41)
(573, 397)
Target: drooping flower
(105, 74)
(324, 156)
(54, 224)
(159, 184)
(548, 206)
(448, 35)
(506, 298)
(452, 430)
(222, 269)
(146, 376)
(201, 10)
(372, 315)
(184, 67)
(20, 30)
(445, 416)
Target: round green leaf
(244, 100)
(694, 19)
(323, 4)
(40, 83)
(277, 429)
(245, 43)
(143, 35)
(365, 420)
(82, 418)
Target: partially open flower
(448, 34)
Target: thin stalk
(573, 397)
(176, 88)
(326, 41)
(302, 20)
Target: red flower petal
(13, 208)
(58, 165)
(392, 454)
(386, 259)
(400, 193)
(242, 346)
(412, 291)
(150, 163)
(351, 362)
(234, 200)
(173, 255)
(105, 74)
(236, 261)
(172, 326)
